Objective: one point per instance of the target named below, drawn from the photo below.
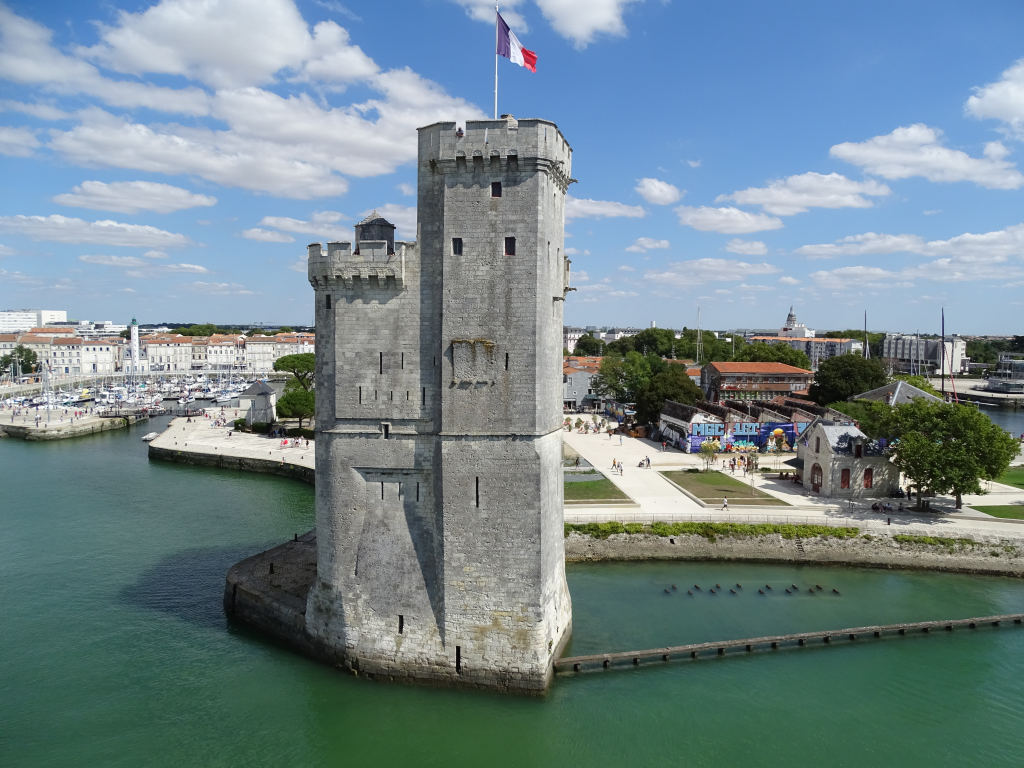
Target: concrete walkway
(660, 500)
(199, 436)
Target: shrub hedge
(711, 530)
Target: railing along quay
(801, 638)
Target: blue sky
(171, 161)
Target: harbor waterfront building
(439, 504)
(753, 381)
(21, 320)
(909, 353)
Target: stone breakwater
(989, 554)
(227, 461)
(58, 430)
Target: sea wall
(63, 430)
(267, 466)
(982, 554)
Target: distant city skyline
(175, 158)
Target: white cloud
(41, 111)
(932, 213)
(722, 290)
(483, 10)
(658, 192)
(580, 277)
(1002, 100)
(698, 271)
(571, 251)
(596, 209)
(292, 146)
(333, 5)
(731, 221)
(644, 244)
(868, 244)
(17, 142)
(917, 151)
(142, 267)
(219, 289)
(858, 276)
(61, 229)
(27, 58)
(745, 287)
(809, 190)
(693, 163)
(6, 251)
(132, 197)
(155, 255)
(403, 217)
(789, 280)
(406, 189)
(320, 224)
(625, 268)
(999, 244)
(266, 236)
(126, 290)
(746, 247)
(621, 294)
(583, 20)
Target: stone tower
(439, 482)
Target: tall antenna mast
(867, 346)
(942, 355)
(700, 339)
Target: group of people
(740, 462)
(886, 507)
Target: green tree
(588, 346)
(297, 403)
(947, 447)
(22, 358)
(636, 371)
(840, 378)
(609, 381)
(672, 384)
(206, 329)
(875, 340)
(918, 381)
(302, 367)
(285, 329)
(709, 452)
(760, 352)
(867, 413)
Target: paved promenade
(199, 436)
(30, 424)
(660, 500)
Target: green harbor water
(114, 650)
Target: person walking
(725, 505)
(620, 439)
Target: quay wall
(61, 431)
(226, 461)
(994, 555)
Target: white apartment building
(21, 320)
(168, 353)
(909, 353)
(200, 347)
(614, 334)
(66, 355)
(816, 349)
(224, 353)
(294, 344)
(570, 336)
(260, 353)
(101, 355)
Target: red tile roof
(768, 368)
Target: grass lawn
(595, 490)
(1013, 476)
(710, 487)
(1010, 511)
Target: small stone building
(839, 461)
(259, 402)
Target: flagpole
(495, 61)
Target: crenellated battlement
(338, 266)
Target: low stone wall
(267, 466)
(987, 554)
(61, 431)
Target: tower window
(328, 301)
(382, 362)
(387, 431)
(457, 244)
(510, 246)
(478, 491)
(506, 365)
(495, 189)
(401, 623)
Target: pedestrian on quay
(725, 505)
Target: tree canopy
(760, 352)
(297, 403)
(947, 447)
(840, 378)
(875, 340)
(25, 358)
(206, 329)
(588, 346)
(302, 367)
(670, 384)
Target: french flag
(510, 47)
